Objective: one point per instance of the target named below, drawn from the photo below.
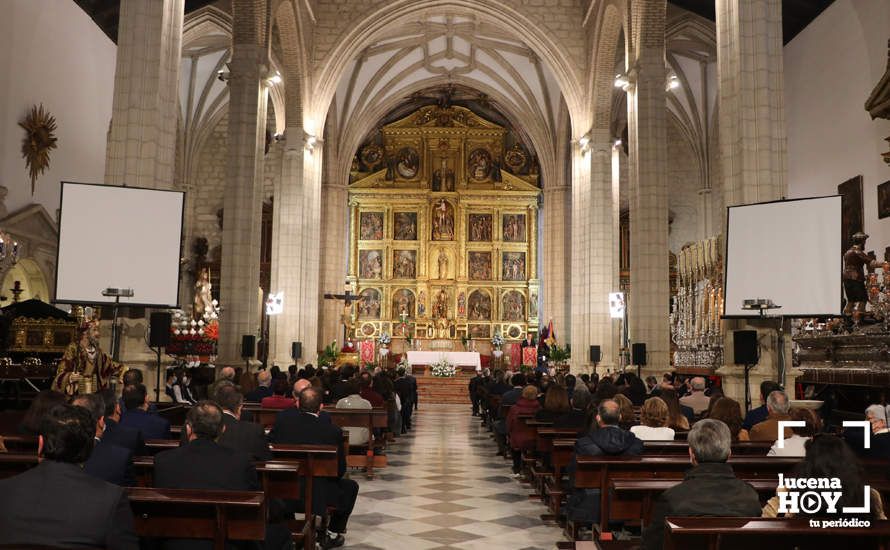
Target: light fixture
(584, 144)
(622, 81)
(9, 249)
(617, 143)
(310, 142)
(272, 79)
(673, 82)
(223, 75)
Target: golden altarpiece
(443, 240)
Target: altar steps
(431, 389)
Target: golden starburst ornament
(39, 140)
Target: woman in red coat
(520, 437)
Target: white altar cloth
(458, 358)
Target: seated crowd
(622, 416)
(86, 448)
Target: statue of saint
(440, 308)
(443, 265)
(203, 302)
(855, 262)
(84, 367)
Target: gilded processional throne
(443, 230)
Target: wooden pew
(560, 458)
(199, 514)
(675, 447)
(548, 473)
(737, 533)
(368, 419)
(12, 464)
(19, 443)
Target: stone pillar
(243, 201)
(556, 265)
(142, 138)
(752, 145)
(705, 206)
(649, 301)
(751, 98)
(594, 251)
(296, 237)
(334, 253)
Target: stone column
(705, 205)
(242, 204)
(752, 144)
(142, 138)
(556, 265)
(648, 303)
(751, 98)
(594, 250)
(334, 253)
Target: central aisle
(445, 488)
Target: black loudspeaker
(248, 346)
(296, 350)
(594, 354)
(744, 347)
(638, 354)
(159, 329)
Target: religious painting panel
(480, 306)
(851, 209)
(403, 302)
(513, 266)
(405, 226)
(443, 221)
(479, 165)
(371, 226)
(440, 304)
(513, 306)
(369, 304)
(479, 228)
(370, 264)
(462, 304)
(480, 331)
(404, 264)
(479, 266)
(513, 228)
(884, 200)
(407, 163)
(372, 156)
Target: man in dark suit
(127, 437)
(56, 503)
(264, 387)
(342, 388)
(137, 416)
(303, 427)
(247, 437)
(405, 390)
(108, 461)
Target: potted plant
(560, 356)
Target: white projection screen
(786, 251)
(119, 237)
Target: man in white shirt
(697, 400)
(357, 436)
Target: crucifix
(346, 318)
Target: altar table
(457, 358)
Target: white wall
(830, 70)
(51, 52)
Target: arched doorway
(31, 280)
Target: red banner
(367, 351)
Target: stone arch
(294, 59)
(602, 78)
(28, 273)
(383, 20)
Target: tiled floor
(445, 488)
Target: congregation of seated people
(86, 447)
(623, 415)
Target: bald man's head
(227, 373)
(608, 413)
(299, 386)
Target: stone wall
(684, 181)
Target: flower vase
(497, 354)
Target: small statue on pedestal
(855, 262)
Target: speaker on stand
(595, 356)
(296, 350)
(638, 356)
(248, 350)
(745, 351)
(159, 337)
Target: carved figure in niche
(372, 156)
(369, 305)
(404, 265)
(480, 306)
(407, 163)
(421, 304)
(203, 294)
(479, 164)
(513, 266)
(855, 263)
(371, 226)
(462, 304)
(443, 176)
(514, 228)
(479, 227)
(479, 266)
(533, 304)
(513, 306)
(443, 221)
(370, 264)
(515, 159)
(440, 308)
(443, 264)
(402, 301)
(405, 226)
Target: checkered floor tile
(446, 490)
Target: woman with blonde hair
(628, 417)
(676, 419)
(653, 421)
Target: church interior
(515, 274)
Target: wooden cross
(347, 297)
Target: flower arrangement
(444, 369)
(384, 338)
(497, 341)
